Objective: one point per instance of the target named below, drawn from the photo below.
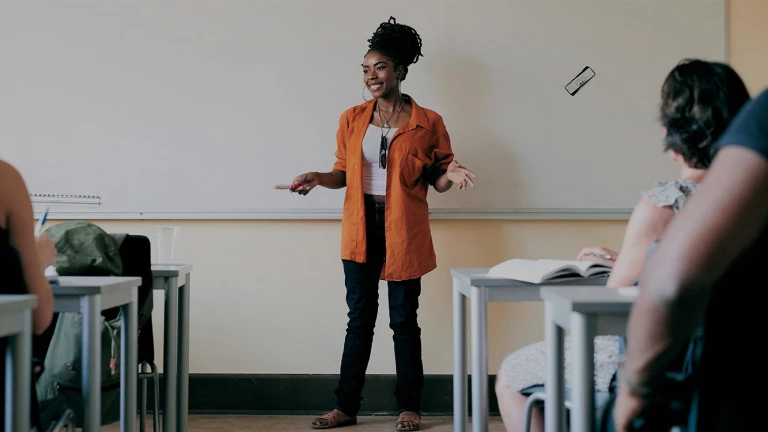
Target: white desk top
(479, 277)
(12, 308)
(171, 270)
(588, 299)
(510, 290)
(10, 304)
(92, 285)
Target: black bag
(677, 408)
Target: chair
(135, 253)
(537, 400)
(144, 375)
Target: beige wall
(268, 297)
(748, 41)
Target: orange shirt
(418, 153)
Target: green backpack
(83, 249)
(63, 374)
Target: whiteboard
(194, 109)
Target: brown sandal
(408, 421)
(330, 421)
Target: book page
(533, 271)
(582, 266)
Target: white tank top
(374, 178)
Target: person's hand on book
(598, 254)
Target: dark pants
(362, 282)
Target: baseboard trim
(239, 394)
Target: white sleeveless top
(374, 178)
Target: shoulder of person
(761, 100)
(353, 113)
(9, 175)
(433, 119)
(12, 186)
(749, 128)
(670, 193)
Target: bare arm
(443, 184)
(335, 179)
(647, 223)
(21, 228)
(727, 213)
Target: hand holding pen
(46, 249)
(302, 184)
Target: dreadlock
(399, 42)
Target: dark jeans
(362, 282)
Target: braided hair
(398, 42)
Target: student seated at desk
(23, 258)
(708, 269)
(698, 101)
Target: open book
(538, 271)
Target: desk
(174, 280)
(16, 325)
(90, 296)
(586, 312)
(481, 289)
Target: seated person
(708, 269)
(23, 258)
(698, 101)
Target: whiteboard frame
(332, 214)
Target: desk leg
(170, 354)
(129, 362)
(554, 385)
(90, 307)
(18, 370)
(183, 357)
(583, 334)
(459, 360)
(479, 306)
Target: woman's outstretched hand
(459, 175)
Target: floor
(211, 423)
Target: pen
(41, 222)
(291, 187)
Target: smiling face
(380, 75)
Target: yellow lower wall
(268, 297)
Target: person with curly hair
(698, 101)
(389, 152)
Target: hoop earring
(363, 93)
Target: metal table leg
(479, 305)
(459, 360)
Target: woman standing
(389, 151)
